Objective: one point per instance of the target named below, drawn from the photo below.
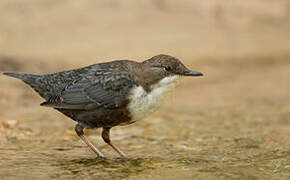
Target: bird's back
(51, 85)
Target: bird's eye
(167, 68)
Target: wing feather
(108, 91)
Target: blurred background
(232, 123)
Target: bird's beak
(192, 73)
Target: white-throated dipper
(108, 94)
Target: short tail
(25, 77)
(31, 80)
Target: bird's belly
(143, 103)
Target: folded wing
(107, 91)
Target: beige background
(233, 123)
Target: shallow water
(232, 123)
(242, 149)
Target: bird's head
(164, 67)
(168, 66)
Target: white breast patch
(143, 103)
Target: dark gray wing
(108, 91)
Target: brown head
(162, 66)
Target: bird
(108, 94)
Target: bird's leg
(106, 138)
(80, 133)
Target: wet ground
(242, 134)
(232, 123)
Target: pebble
(10, 123)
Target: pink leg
(80, 133)
(106, 138)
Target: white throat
(143, 103)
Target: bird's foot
(123, 155)
(102, 157)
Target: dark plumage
(98, 95)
